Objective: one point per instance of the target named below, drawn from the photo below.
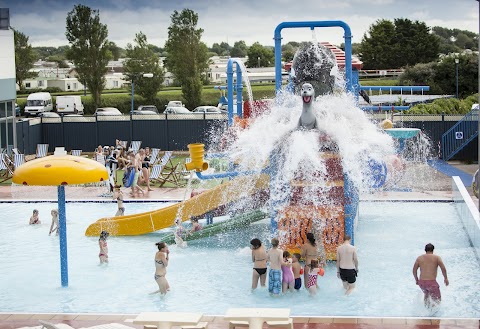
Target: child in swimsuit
(102, 243)
(297, 271)
(287, 274)
(35, 219)
(118, 195)
(195, 225)
(311, 284)
(54, 226)
(179, 233)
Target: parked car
(207, 109)
(177, 110)
(107, 111)
(174, 104)
(38, 103)
(146, 109)
(69, 104)
(48, 115)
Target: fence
(176, 131)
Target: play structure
(326, 205)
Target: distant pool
(214, 274)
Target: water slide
(151, 221)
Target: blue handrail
(462, 133)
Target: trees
(389, 45)
(24, 58)
(88, 48)
(142, 59)
(239, 49)
(260, 56)
(186, 55)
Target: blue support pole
(278, 47)
(230, 91)
(239, 91)
(62, 223)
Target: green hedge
(445, 105)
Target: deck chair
(153, 156)
(49, 325)
(18, 160)
(9, 150)
(42, 150)
(100, 158)
(15, 151)
(166, 171)
(135, 146)
(6, 167)
(77, 153)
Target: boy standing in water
(275, 257)
(35, 219)
(297, 271)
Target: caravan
(69, 104)
(38, 103)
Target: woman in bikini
(259, 259)
(161, 263)
(102, 243)
(309, 252)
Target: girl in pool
(161, 263)
(311, 283)
(35, 219)
(102, 243)
(287, 273)
(195, 225)
(54, 226)
(259, 259)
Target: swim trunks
(349, 276)
(261, 271)
(275, 281)
(430, 288)
(298, 283)
(312, 280)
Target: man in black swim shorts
(347, 264)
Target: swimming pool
(214, 274)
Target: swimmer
(35, 219)
(287, 273)
(54, 227)
(102, 243)
(259, 259)
(118, 195)
(347, 265)
(179, 232)
(428, 265)
(311, 284)
(161, 263)
(297, 271)
(195, 225)
(275, 257)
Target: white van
(69, 104)
(38, 103)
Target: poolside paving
(419, 183)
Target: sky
(43, 21)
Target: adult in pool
(309, 252)
(161, 263)
(259, 259)
(428, 265)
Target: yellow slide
(155, 220)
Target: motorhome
(38, 103)
(69, 104)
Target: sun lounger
(42, 150)
(283, 324)
(77, 152)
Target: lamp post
(145, 75)
(456, 75)
(258, 58)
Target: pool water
(214, 274)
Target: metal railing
(462, 133)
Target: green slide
(236, 222)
